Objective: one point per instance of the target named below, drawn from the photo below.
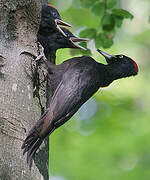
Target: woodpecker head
(51, 19)
(69, 41)
(121, 64)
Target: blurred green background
(109, 138)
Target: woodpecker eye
(120, 56)
(54, 14)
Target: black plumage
(50, 20)
(75, 81)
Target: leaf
(83, 44)
(87, 3)
(79, 51)
(122, 13)
(88, 33)
(118, 21)
(75, 52)
(103, 40)
(87, 52)
(98, 9)
(111, 3)
(107, 43)
(99, 40)
(108, 22)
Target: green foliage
(108, 22)
(98, 9)
(103, 40)
(118, 21)
(74, 52)
(110, 19)
(87, 3)
(99, 19)
(111, 3)
(122, 13)
(88, 33)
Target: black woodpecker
(78, 79)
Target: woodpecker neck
(105, 75)
(45, 31)
(51, 56)
(109, 73)
(49, 50)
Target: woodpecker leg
(40, 53)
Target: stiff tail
(33, 140)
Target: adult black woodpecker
(79, 78)
(56, 40)
(50, 20)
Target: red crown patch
(51, 6)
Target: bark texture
(19, 21)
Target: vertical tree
(18, 110)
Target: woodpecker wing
(55, 73)
(76, 87)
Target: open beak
(107, 56)
(60, 22)
(75, 39)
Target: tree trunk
(19, 21)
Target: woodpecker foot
(40, 53)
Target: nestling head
(50, 18)
(69, 41)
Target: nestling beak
(75, 39)
(60, 22)
(107, 56)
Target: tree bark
(19, 21)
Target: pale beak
(75, 39)
(60, 22)
(106, 55)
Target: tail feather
(36, 137)
(33, 141)
(32, 151)
(28, 145)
